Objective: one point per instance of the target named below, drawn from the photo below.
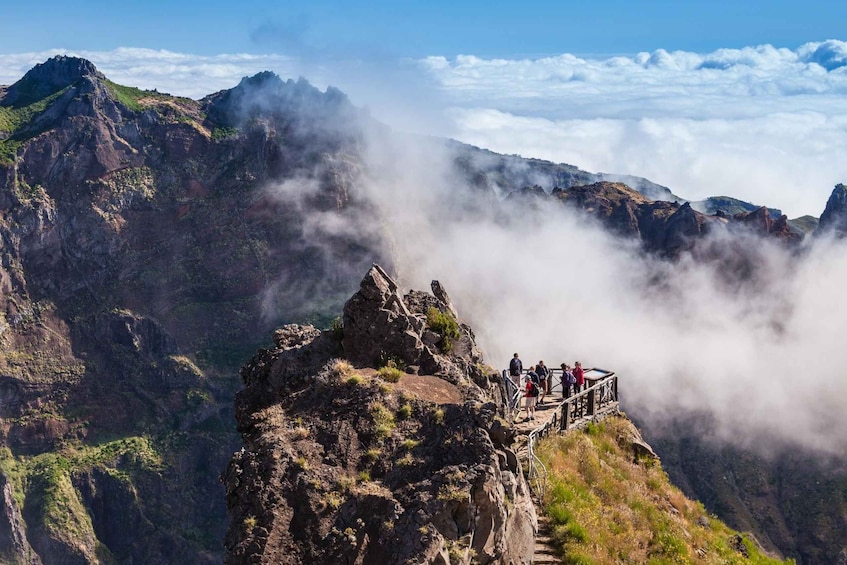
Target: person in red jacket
(531, 394)
(579, 374)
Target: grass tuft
(390, 374)
(444, 325)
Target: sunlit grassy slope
(606, 506)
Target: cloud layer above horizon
(764, 124)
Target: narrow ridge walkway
(554, 417)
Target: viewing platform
(558, 414)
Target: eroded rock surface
(340, 465)
(834, 217)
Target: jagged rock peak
(380, 323)
(375, 471)
(266, 93)
(51, 76)
(834, 217)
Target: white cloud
(558, 287)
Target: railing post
(591, 401)
(615, 387)
(566, 416)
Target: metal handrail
(587, 403)
(534, 462)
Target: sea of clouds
(764, 124)
(757, 350)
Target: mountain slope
(143, 258)
(609, 504)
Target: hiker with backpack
(531, 394)
(543, 380)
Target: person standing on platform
(543, 380)
(515, 368)
(568, 380)
(532, 391)
(579, 375)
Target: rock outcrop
(346, 464)
(834, 217)
(667, 228)
(381, 325)
(14, 545)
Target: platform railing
(583, 406)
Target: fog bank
(761, 354)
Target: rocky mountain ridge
(346, 463)
(127, 303)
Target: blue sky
(494, 28)
(747, 99)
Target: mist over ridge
(686, 336)
(689, 337)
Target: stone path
(543, 414)
(545, 552)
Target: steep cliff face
(834, 217)
(345, 463)
(793, 502)
(146, 249)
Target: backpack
(515, 367)
(533, 389)
(571, 378)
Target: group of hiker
(536, 383)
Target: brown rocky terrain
(343, 465)
(143, 256)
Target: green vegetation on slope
(44, 481)
(444, 325)
(219, 134)
(129, 96)
(607, 507)
(13, 118)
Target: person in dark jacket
(515, 368)
(543, 380)
(568, 380)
